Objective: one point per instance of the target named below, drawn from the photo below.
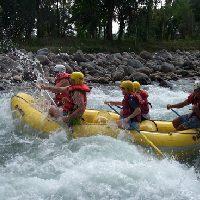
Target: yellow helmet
(136, 86)
(77, 77)
(127, 86)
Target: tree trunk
(121, 27)
(148, 19)
(110, 10)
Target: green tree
(18, 17)
(110, 6)
(195, 4)
(87, 16)
(183, 18)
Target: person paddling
(191, 120)
(61, 80)
(130, 115)
(144, 100)
(75, 104)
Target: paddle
(175, 112)
(157, 150)
(51, 99)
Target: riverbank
(19, 67)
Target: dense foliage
(140, 20)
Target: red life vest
(61, 76)
(145, 104)
(60, 96)
(69, 104)
(127, 109)
(193, 99)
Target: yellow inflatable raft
(160, 133)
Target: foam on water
(97, 167)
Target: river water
(96, 167)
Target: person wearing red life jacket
(130, 115)
(75, 104)
(191, 120)
(62, 80)
(144, 99)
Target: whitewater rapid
(96, 167)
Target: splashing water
(96, 167)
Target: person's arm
(136, 112)
(54, 89)
(178, 105)
(113, 103)
(78, 100)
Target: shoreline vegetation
(72, 44)
(68, 26)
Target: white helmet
(59, 68)
(197, 85)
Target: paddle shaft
(157, 150)
(54, 103)
(175, 112)
(114, 110)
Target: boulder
(118, 56)
(64, 56)
(128, 70)
(155, 76)
(43, 59)
(145, 70)
(103, 80)
(167, 67)
(7, 64)
(90, 57)
(164, 83)
(43, 52)
(158, 57)
(92, 72)
(152, 64)
(15, 72)
(146, 55)
(17, 79)
(178, 62)
(79, 57)
(54, 58)
(118, 75)
(134, 63)
(87, 65)
(140, 77)
(126, 55)
(165, 54)
(182, 72)
(188, 65)
(173, 76)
